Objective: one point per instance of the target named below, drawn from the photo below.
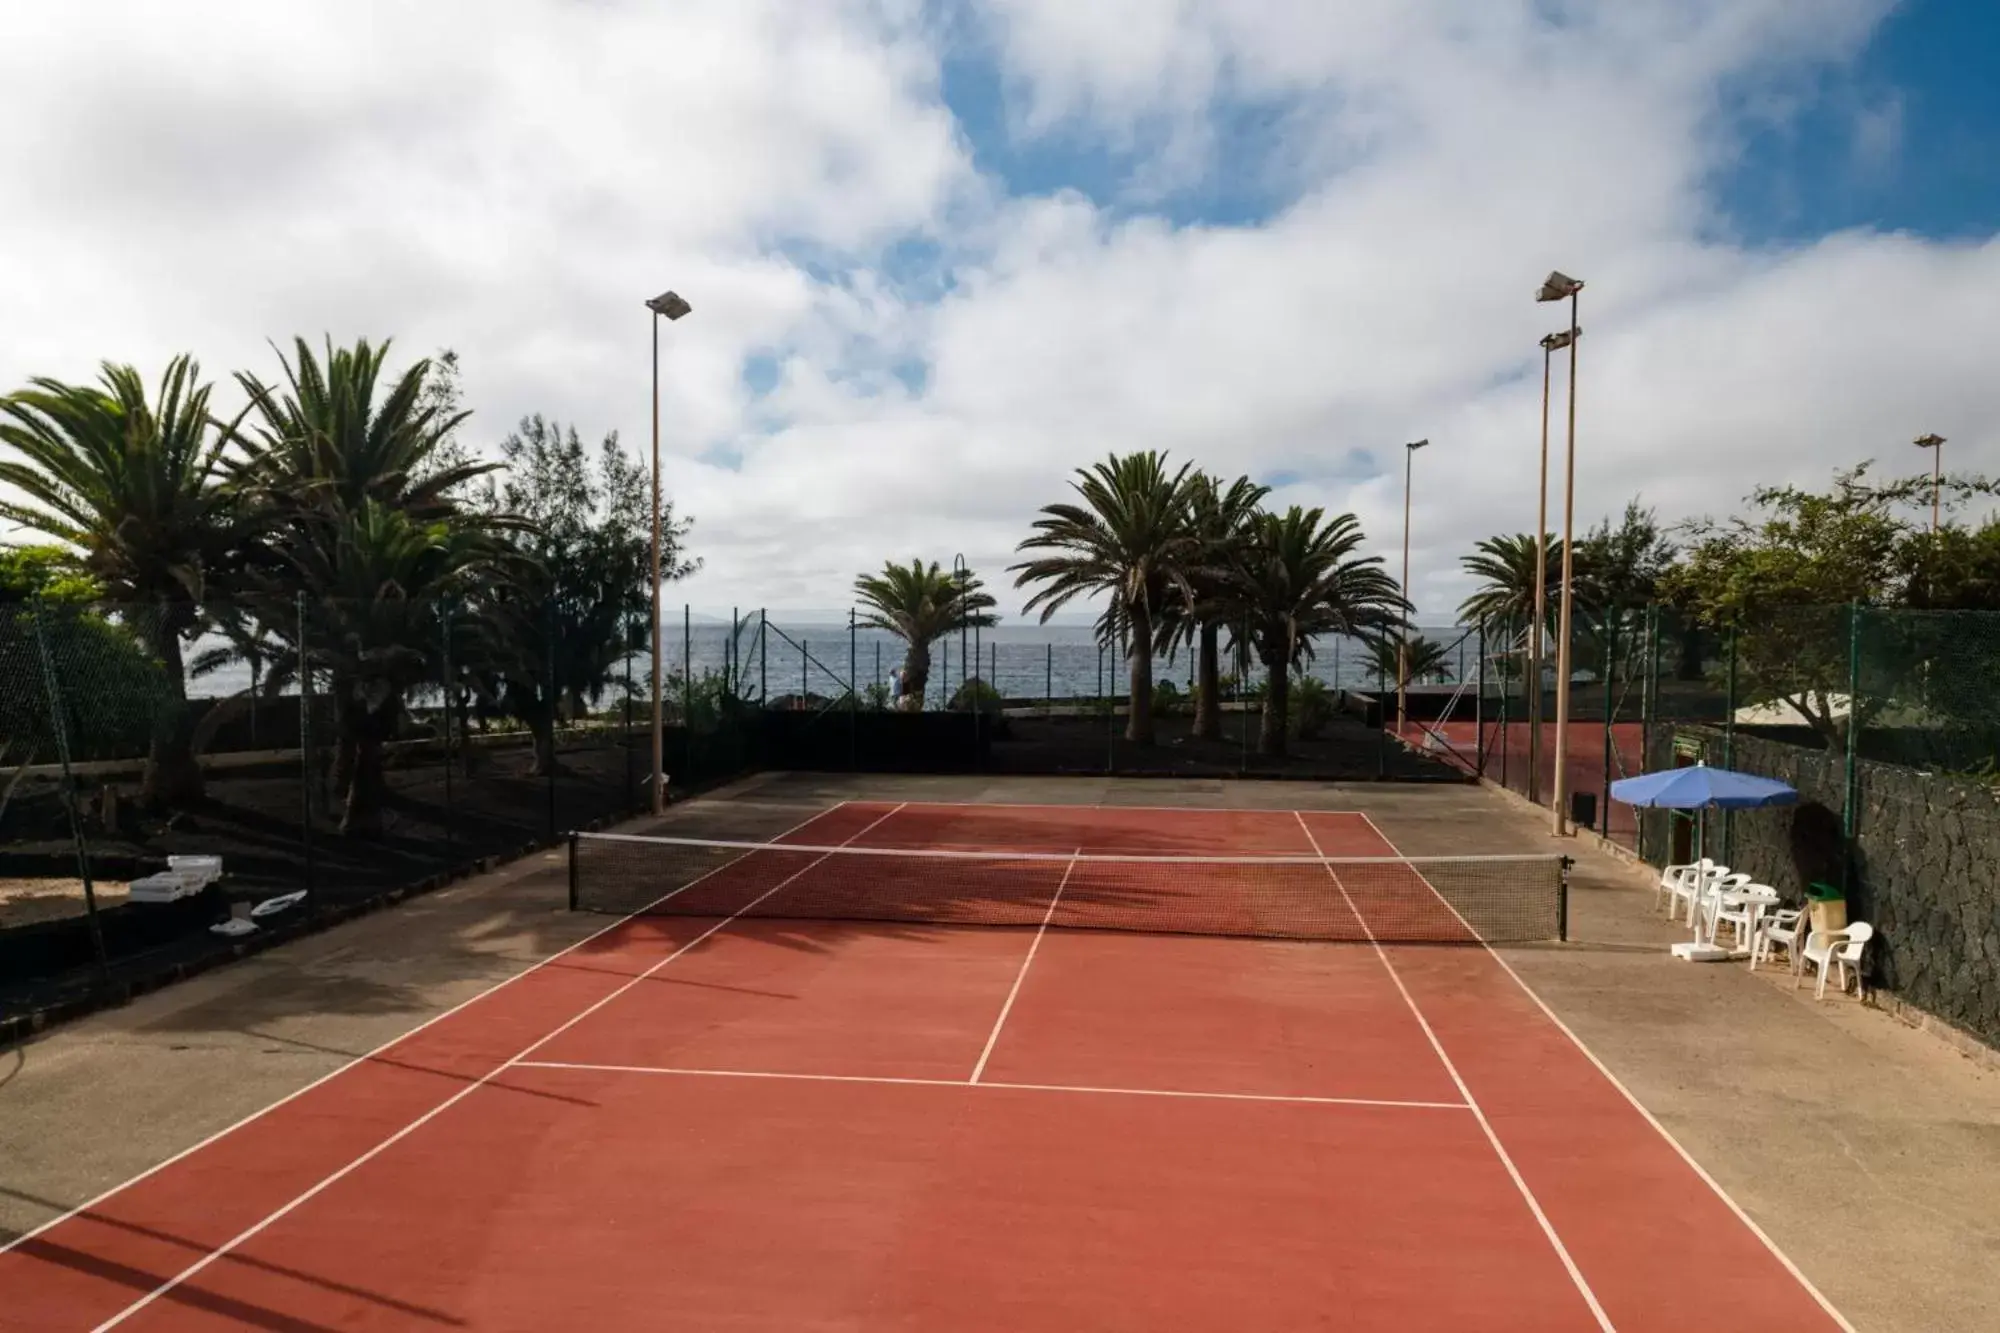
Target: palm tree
(1427, 657)
(1298, 576)
(920, 604)
(1505, 568)
(338, 437)
(141, 490)
(361, 496)
(375, 595)
(1219, 516)
(1131, 538)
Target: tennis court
(935, 1066)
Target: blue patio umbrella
(1700, 787)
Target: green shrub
(975, 694)
(1311, 707)
(111, 688)
(1168, 701)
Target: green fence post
(1506, 688)
(763, 658)
(1049, 677)
(1649, 684)
(853, 692)
(1610, 708)
(52, 690)
(1111, 711)
(1381, 721)
(631, 802)
(444, 675)
(1478, 704)
(555, 701)
(304, 665)
(1243, 706)
(1847, 813)
(1729, 738)
(687, 692)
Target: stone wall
(1923, 867)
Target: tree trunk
(1139, 656)
(1277, 709)
(1690, 655)
(367, 784)
(916, 678)
(1208, 682)
(366, 787)
(173, 775)
(348, 713)
(542, 723)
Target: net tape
(1446, 900)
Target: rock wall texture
(1923, 866)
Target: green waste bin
(1826, 907)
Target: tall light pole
(1934, 443)
(1552, 344)
(672, 306)
(1555, 288)
(1403, 647)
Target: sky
(943, 254)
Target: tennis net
(1459, 900)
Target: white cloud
(513, 179)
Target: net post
(1562, 898)
(572, 870)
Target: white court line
(993, 1037)
(250, 1232)
(780, 1076)
(371, 1053)
(1105, 805)
(1640, 1107)
(1500, 1149)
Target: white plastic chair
(1709, 901)
(1690, 887)
(1778, 928)
(1835, 951)
(1671, 879)
(1740, 909)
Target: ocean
(818, 655)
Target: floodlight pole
(1403, 647)
(1556, 288)
(1934, 443)
(671, 306)
(959, 572)
(1552, 344)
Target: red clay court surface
(715, 1123)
